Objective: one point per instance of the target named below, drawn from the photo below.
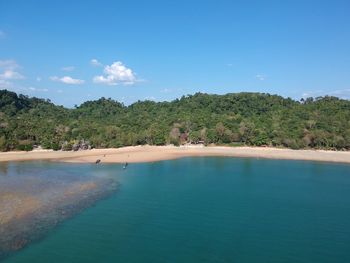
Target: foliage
(233, 119)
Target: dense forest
(233, 119)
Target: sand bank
(157, 153)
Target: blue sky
(73, 51)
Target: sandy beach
(157, 153)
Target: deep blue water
(207, 210)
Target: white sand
(157, 153)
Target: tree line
(255, 119)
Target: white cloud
(8, 72)
(95, 62)
(260, 76)
(10, 75)
(343, 93)
(68, 80)
(305, 95)
(68, 68)
(2, 34)
(340, 93)
(37, 89)
(38, 79)
(5, 84)
(166, 91)
(8, 64)
(115, 74)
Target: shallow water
(36, 196)
(204, 210)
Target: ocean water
(203, 210)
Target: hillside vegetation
(234, 119)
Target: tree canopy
(256, 119)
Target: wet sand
(157, 153)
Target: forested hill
(233, 119)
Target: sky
(73, 51)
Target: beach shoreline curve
(139, 154)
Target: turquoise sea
(199, 210)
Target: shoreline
(139, 154)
